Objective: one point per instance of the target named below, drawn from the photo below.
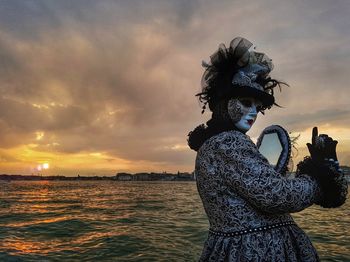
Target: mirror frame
(283, 160)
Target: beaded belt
(251, 230)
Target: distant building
(185, 176)
(141, 177)
(346, 170)
(124, 177)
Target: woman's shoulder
(227, 139)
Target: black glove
(332, 183)
(323, 149)
(323, 166)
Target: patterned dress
(248, 203)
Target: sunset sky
(99, 87)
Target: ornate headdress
(235, 72)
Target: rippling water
(128, 221)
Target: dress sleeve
(249, 174)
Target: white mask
(243, 112)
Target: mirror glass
(271, 148)
(274, 143)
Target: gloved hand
(323, 166)
(323, 148)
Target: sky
(100, 87)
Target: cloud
(297, 122)
(119, 77)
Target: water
(128, 221)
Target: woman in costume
(247, 202)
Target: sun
(43, 166)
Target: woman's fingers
(309, 146)
(314, 135)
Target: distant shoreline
(118, 177)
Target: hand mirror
(274, 143)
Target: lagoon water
(128, 221)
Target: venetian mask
(243, 112)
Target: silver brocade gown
(241, 191)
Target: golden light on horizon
(29, 159)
